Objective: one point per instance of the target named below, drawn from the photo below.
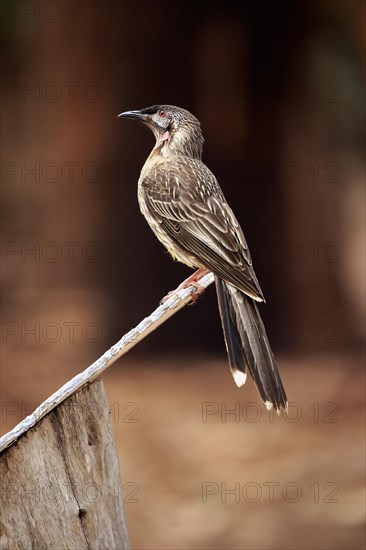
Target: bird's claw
(196, 294)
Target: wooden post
(61, 485)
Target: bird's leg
(191, 281)
(194, 278)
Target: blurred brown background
(279, 89)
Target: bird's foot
(195, 295)
(191, 281)
(198, 290)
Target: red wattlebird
(186, 209)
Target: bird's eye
(162, 113)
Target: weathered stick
(177, 300)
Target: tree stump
(60, 482)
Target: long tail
(247, 344)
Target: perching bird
(186, 209)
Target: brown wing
(187, 201)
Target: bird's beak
(137, 115)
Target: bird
(185, 207)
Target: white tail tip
(269, 405)
(239, 377)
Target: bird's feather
(237, 362)
(241, 322)
(187, 204)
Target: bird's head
(176, 130)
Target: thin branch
(177, 300)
